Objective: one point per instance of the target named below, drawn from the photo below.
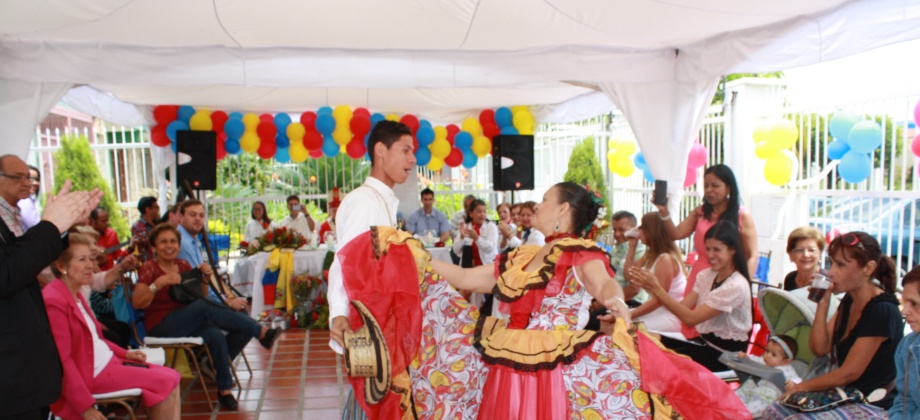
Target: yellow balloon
(523, 120)
(622, 166)
(392, 117)
(342, 113)
(472, 126)
(295, 131)
(435, 164)
(341, 136)
(298, 152)
(201, 121)
(761, 133)
(516, 108)
(526, 131)
(765, 150)
(440, 148)
(481, 146)
(250, 142)
(626, 148)
(251, 121)
(783, 135)
(611, 156)
(778, 169)
(440, 132)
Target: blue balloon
(841, 123)
(283, 155)
(330, 147)
(327, 110)
(422, 156)
(366, 138)
(325, 124)
(176, 126)
(469, 159)
(463, 140)
(282, 140)
(836, 149)
(282, 120)
(376, 118)
(503, 117)
(424, 135)
(648, 175)
(865, 136)
(639, 161)
(506, 131)
(424, 123)
(185, 113)
(235, 115)
(234, 128)
(232, 146)
(854, 166)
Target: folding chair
(129, 399)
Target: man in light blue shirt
(623, 221)
(190, 228)
(427, 218)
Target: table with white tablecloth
(248, 271)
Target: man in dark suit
(30, 371)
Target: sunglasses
(851, 239)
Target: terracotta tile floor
(300, 378)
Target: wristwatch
(154, 288)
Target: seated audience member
(864, 333)
(455, 221)
(516, 217)
(149, 210)
(328, 227)
(624, 221)
(664, 260)
(29, 213)
(172, 215)
(108, 239)
(507, 231)
(428, 219)
(907, 357)
(259, 224)
(93, 365)
(530, 235)
(478, 235)
(804, 246)
(758, 393)
(719, 304)
(298, 219)
(97, 293)
(203, 318)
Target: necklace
(560, 235)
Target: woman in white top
(663, 258)
(479, 233)
(507, 230)
(719, 304)
(259, 224)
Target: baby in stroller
(757, 393)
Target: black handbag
(189, 288)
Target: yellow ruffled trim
(530, 350)
(514, 281)
(384, 236)
(625, 338)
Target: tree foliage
(585, 169)
(75, 161)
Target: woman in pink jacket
(91, 364)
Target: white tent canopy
(658, 60)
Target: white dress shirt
(487, 242)
(299, 224)
(371, 204)
(254, 230)
(534, 238)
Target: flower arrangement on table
(280, 237)
(311, 309)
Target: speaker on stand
(512, 163)
(196, 159)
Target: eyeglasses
(812, 251)
(851, 239)
(19, 178)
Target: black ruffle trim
(561, 359)
(546, 273)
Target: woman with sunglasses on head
(863, 334)
(804, 246)
(663, 259)
(719, 305)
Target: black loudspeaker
(512, 163)
(196, 160)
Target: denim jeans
(205, 320)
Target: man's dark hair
(95, 213)
(188, 203)
(427, 191)
(623, 214)
(291, 197)
(386, 132)
(145, 203)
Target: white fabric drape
(22, 106)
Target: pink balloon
(917, 113)
(698, 156)
(915, 147)
(316, 153)
(690, 177)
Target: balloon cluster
(328, 132)
(773, 143)
(696, 159)
(854, 141)
(619, 153)
(915, 144)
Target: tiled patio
(298, 379)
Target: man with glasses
(15, 185)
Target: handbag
(813, 401)
(189, 288)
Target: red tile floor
(300, 378)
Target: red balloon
(316, 153)
(487, 116)
(490, 130)
(362, 111)
(356, 148)
(455, 158)
(452, 131)
(313, 140)
(221, 146)
(218, 118)
(308, 119)
(165, 114)
(267, 131)
(158, 136)
(360, 125)
(267, 118)
(267, 149)
(414, 145)
(410, 121)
